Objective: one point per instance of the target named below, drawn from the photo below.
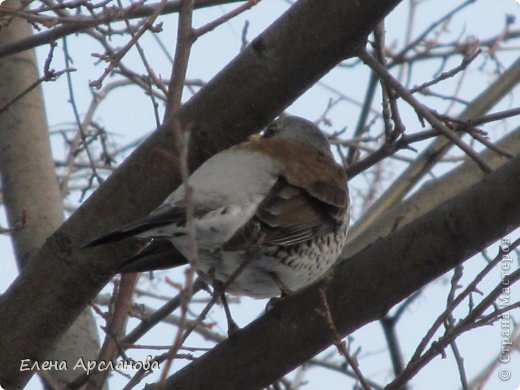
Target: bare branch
(422, 110)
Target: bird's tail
(156, 255)
(161, 217)
(117, 235)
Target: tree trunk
(30, 189)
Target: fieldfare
(278, 202)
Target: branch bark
(362, 288)
(266, 77)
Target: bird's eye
(270, 131)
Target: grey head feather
(299, 130)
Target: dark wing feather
(290, 215)
(162, 216)
(333, 194)
(157, 254)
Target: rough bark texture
(265, 78)
(29, 185)
(362, 288)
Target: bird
(275, 208)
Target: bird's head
(299, 130)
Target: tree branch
(432, 194)
(133, 12)
(362, 288)
(438, 148)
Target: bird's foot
(219, 292)
(233, 328)
(276, 300)
(272, 303)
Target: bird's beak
(255, 137)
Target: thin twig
(446, 75)
(114, 330)
(134, 11)
(118, 56)
(422, 110)
(75, 111)
(456, 301)
(180, 65)
(449, 324)
(48, 75)
(224, 18)
(473, 320)
(388, 324)
(324, 310)
(413, 44)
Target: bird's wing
(155, 255)
(309, 199)
(290, 215)
(296, 215)
(162, 216)
(230, 180)
(257, 192)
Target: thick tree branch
(266, 77)
(362, 288)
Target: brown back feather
(309, 199)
